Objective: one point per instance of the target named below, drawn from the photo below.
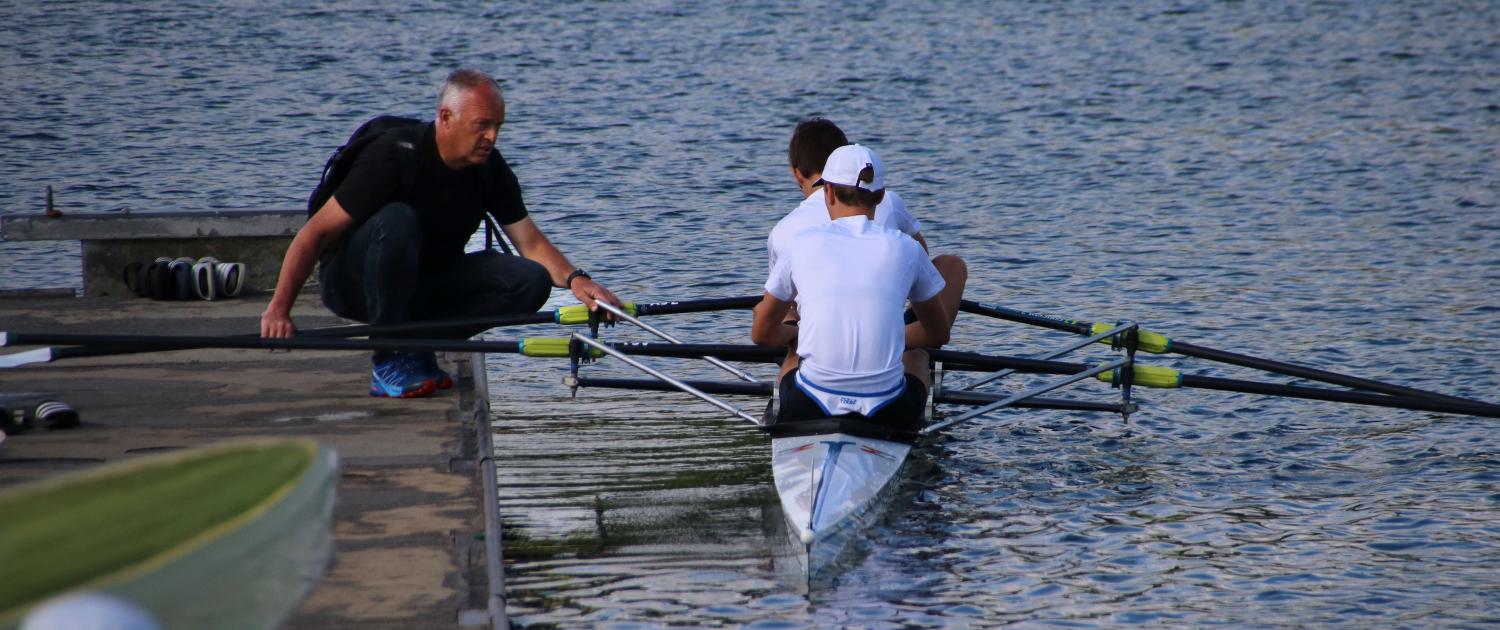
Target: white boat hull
(832, 485)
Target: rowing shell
(834, 477)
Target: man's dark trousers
(375, 278)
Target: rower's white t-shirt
(813, 211)
(851, 279)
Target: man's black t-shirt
(450, 203)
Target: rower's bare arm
(316, 236)
(534, 245)
(933, 325)
(921, 241)
(768, 327)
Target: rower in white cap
(850, 280)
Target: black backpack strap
(492, 232)
(493, 235)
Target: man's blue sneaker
(426, 363)
(394, 376)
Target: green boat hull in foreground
(227, 536)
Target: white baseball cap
(847, 165)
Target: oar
(157, 343)
(1157, 343)
(1242, 360)
(572, 315)
(530, 346)
(975, 399)
(1026, 317)
(1359, 398)
(730, 388)
(565, 315)
(1163, 377)
(960, 361)
(45, 355)
(1144, 376)
(722, 388)
(697, 306)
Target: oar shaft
(522, 319)
(947, 397)
(468, 323)
(955, 360)
(968, 361)
(1024, 317)
(465, 324)
(1357, 398)
(730, 352)
(162, 342)
(1314, 374)
(1232, 358)
(733, 352)
(721, 388)
(973, 398)
(357, 330)
(697, 306)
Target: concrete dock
(410, 521)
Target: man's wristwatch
(577, 273)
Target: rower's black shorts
(905, 412)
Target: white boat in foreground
(226, 536)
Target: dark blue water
(1308, 181)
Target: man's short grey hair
(463, 81)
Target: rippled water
(1308, 181)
